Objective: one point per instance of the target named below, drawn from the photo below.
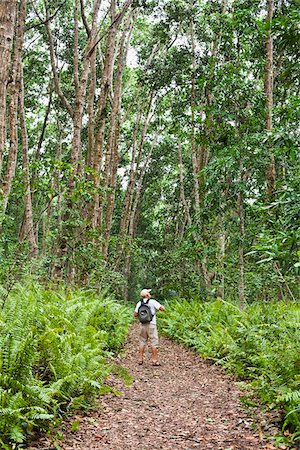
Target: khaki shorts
(148, 331)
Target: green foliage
(54, 347)
(259, 343)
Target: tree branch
(115, 22)
(58, 89)
(44, 22)
(84, 19)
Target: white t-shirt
(153, 305)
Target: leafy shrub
(53, 355)
(259, 343)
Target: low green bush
(260, 343)
(54, 349)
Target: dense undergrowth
(260, 343)
(54, 356)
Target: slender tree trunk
(182, 194)
(222, 248)
(113, 138)
(29, 227)
(14, 98)
(133, 220)
(42, 135)
(271, 170)
(91, 110)
(8, 10)
(193, 107)
(241, 215)
(102, 116)
(208, 275)
(123, 222)
(80, 80)
(53, 59)
(241, 250)
(57, 266)
(135, 165)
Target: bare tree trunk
(42, 135)
(53, 58)
(29, 227)
(193, 105)
(113, 138)
(131, 176)
(56, 268)
(80, 82)
(133, 220)
(208, 275)
(271, 170)
(7, 27)
(91, 111)
(241, 250)
(14, 97)
(80, 79)
(102, 116)
(134, 168)
(182, 194)
(241, 215)
(222, 246)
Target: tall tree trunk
(102, 116)
(133, 221)
(53, 61)
(57, 267)
(222, 247)
(193, 131)
(113, 138)
(271, 170)
(91, 111)
(42, 135)
(29, 227)
(241, 215)
(80, 79)
(134, 168)
(80, 82)
(8, 10)
(14, 98)
(182, 193)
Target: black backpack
(144, 312)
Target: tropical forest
(149, 144)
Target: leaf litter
(186, 403)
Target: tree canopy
(152, 143)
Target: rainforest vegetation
(147, 143)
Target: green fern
(53, 350)
(260, 342)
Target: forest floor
(186, 403)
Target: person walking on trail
(146, 310)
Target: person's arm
(158, 306)
(136, 309)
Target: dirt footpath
(184, 404)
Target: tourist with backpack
(145, 310)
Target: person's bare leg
(154, 355)
(141, 355)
